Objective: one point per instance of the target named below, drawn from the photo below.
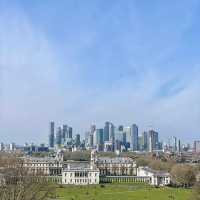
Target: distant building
(144, 141)
(127, 131)
(51, 135)
(153, 140)
(197, 146)
(98, 139)
(12, 146)
(108, 146)
(59, 136)
(70, 133)
(179, 146)
(174, 145)
(64, 134)
(134, 137)
(78, 140)
(1, 146)
(109, 132)
(106, 132)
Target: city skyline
(125, 62)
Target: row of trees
(18, 183)
(181, 174)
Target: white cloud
(34, 91)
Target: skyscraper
(144, 142)
(134, 137)
(179, 146)
(59, 136)
(98, 139)
(106, 132)
(78, 140)
(174, 144)
(111, 133)
(64, 133)
(70, 132)
(153, 140)
(92, 128)
(51, 135)
(196, 146)
(127, 131)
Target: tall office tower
(111, 132)
(134, 137)
(98, 139)
(70, 133)
(118, 133)
(78, 140)
(87, 135)
(144, 141)
(12, 146)
(127, 130)
(197, 146)
(91, 136)
(1, 146)
(124, 138)
(64, 133)
(139, 143)
(59, 136)
(179, 146)
(106, 132)
(91, 140)
(92, 128)
(174, 146)
(153, 141)
(51, 135)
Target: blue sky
(82, 62)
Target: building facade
(80, 176)
(116, 166)
(51, 135)
(156, 178)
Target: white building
(81, 175)
(157, 178)
(118, 166)
(49, 166)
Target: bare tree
(19, 183)
(183, 175)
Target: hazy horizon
(83, 62)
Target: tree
(183, 175)
(18, 183)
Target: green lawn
(122, 192)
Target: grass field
(122, 192)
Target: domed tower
(59, 156)
(93, 159)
